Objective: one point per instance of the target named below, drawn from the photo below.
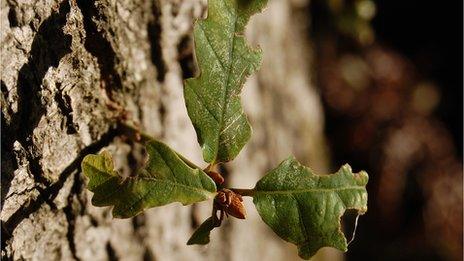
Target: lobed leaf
(166, 178)
(305, 209)
(225, 60)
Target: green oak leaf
(201, 235)
(166, 178)
(225, 61)
(305, 209)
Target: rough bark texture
(69, 66)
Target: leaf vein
(231, 61)
(204, 105)
(303, 225)
(232, 123)
(212, 49)
(173, 185)
(307, 190)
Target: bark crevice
(49, 46)
(154, 36)
(97, 45)
(48, 194)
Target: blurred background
(390, 77)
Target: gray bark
(67, 67)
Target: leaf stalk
(244, 192)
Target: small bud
(236, 207)
(230, 202)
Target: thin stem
(244, 192)
(137, 135)
(133, 133)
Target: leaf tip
(362, 178)
(201, 236)
(347, 168)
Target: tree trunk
(70, 68)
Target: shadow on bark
(154, 37)
(97, 45)
(50, 193)
(50, 44)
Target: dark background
(429, 33)
(413, 156)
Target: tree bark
(70, 68)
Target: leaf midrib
(307, 190)
(137, 178)
(224, 99)
(200, 190)
(144, 196)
